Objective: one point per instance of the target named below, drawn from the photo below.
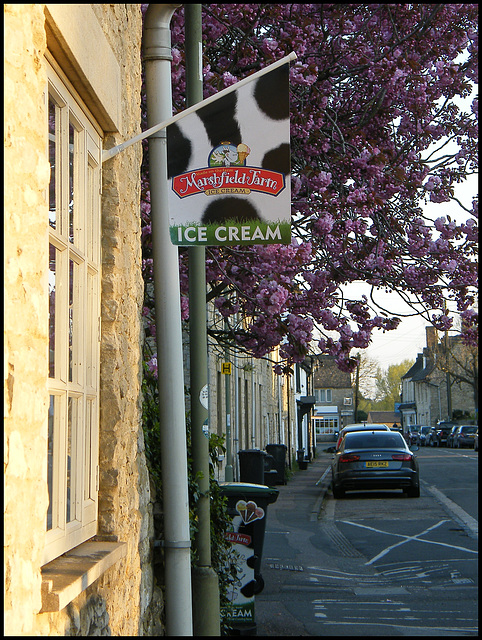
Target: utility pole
(205, 585)
(447, 376)
(228, 472)
(357, 385)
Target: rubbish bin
(300, 458)
(278, 451)
(270, 473)
(248, 507)
(251, 465)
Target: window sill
(64, 578)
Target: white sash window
(74, 151)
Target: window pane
(89, 422)
(92, 328)
(73, 426)
(74, 321)
(53, 163)
(52, 271)
(90, 224)
(71, 180)
(50, 461)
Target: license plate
(376, 463)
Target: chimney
(432, 337)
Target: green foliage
(389, 385)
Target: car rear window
(468, 429)
(373, 441)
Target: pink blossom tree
(377, 132)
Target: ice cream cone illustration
(243, 152)
(251, 511)
(241, 509)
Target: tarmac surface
(420, 577)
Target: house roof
(423, 367)
(384, 417)
(329, 376)
(415, 368)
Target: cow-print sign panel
(255, 115)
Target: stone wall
(27, 175)
(124, 600)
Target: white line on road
(454, 510)
(406, 539)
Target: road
(375, 563)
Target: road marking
(404, 626)
(406, 539)
(455, 511)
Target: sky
(405, 342)
(392, 347)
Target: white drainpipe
(157, 57)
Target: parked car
(360, 427)
(476, 440)
(416, 434)
(438, 434)
(464, 436)
(372, 459)
(422, 437)
(450, 437)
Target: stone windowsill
(64, 578)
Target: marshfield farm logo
(227, 173)
(228, 221)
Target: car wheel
(414, 492)
(338, 493)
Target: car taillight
(401, 456)
(349, 457)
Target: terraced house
(77, 512)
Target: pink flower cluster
(375, 90)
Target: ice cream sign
(249, 511)
(243, 589)
(229, 164)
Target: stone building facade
(261, 405)
(334, 397)
(430, 394)
(73, 442)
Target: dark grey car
(464, 436)
(375, 460)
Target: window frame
(323, 396)
(74, 236)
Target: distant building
(389, 418)
(334, 398)
(429, 393)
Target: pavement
(308, 487)
(296, 512)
